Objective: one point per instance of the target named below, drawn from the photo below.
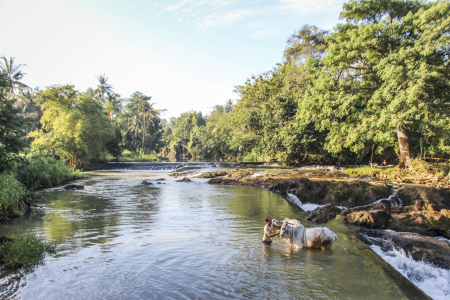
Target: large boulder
(432, 223)
(324, 213)
(369, 219)
(410, 195)
(338, 192)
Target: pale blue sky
(186, 54)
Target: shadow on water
(119, 239)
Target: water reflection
(119, 239)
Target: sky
(185, 54)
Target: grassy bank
(420, 172)
(23, 250)
(29, 174)
(140, 156)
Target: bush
(24, 250)
(12, 195)
(42, 173)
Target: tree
(113, 104)
(385, 74)
(73, 125)
(11, 121)
(13, 73)
(141, 111)
(309, 40)
(103, 88)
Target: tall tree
(113, 104)
(103, 88)
(309, 40)
(11, 129)
(13, 73)
(141, 110)
(385, 74)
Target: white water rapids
(434, 281)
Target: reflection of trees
(256, 203)
(75, 217)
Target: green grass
(24, 250)
(367, 171)
(140, 156)
(12, 196)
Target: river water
(118, 239)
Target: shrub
(24, 250)
(37, 173)
(12, 195)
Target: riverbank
(420, 172)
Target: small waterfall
(393, 199)
(157, 166)
(434, 281)
(306, 207)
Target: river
(117, 239)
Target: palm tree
(146, 111)
(103, 87)
(13, 73)
(113, 104)
(229, 106)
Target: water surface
(118, 239)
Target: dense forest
(374, 88)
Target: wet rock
(440, 198)
(421, 248)
(324, 213)
(159, 183)
(348, 193)
(382, 205)
(369, 219)
(184, 179)
(74, 187)
(145, 182)
(214, 174)
(432, 223)
(160, 179)
(424, 205)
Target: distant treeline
(376, 87)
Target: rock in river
(74, 187)
(324, 213)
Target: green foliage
(10, 121)
(139, 156)
(113, 146)
(24, 250)
(385, 68)
(12, 195)
(42, 172)
(73, 125)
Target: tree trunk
(371, 159)
(405, 151)
(143, 135)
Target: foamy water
(307, 206)
(434, 281)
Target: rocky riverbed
(411, 218)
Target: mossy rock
(184, 179)
(369, 219)
(207, 175)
